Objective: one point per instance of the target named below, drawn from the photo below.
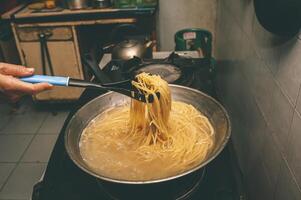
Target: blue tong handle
(53, 80)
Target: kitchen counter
(22, 14)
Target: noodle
(146, 141)
(151, 118)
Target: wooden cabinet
(64, 27)
(64, 56)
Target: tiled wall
(259, 77)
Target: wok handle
(54, 80)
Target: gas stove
(64, 180)
(175, 69)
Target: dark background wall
(259, 83)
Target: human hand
(12, 87)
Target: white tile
(228, 37)
(5, 114)
(4, 119)
(286, 187)
(242, 13)
(258, 134)
(5, 109)
(258, 184)
(280, 119)
(282, 58)
(274, 105)
(249, 128)
(24, 105)
(27, 123)
(53, 123)
(256, 107)
(298, 106)
(40, 149)
(261, 82)
(247, 122)
(13, 146)
(266, 45)
(228, 77)
(5, 170)
(240, 139)
(289, 68)
(271, 158)
(294, 158)
(247, 17)
(20, 184)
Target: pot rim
(160, 180)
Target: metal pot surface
(127, 49)
(170, 187)
(101, 3)
(77, 4)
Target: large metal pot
(165, 188)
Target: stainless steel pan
(165, 188)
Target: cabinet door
(64, 62)
(63, 55)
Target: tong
(122, 87)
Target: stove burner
(168, 72)
(188, 195)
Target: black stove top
(63, 180)
(191, 72)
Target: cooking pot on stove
(128, 49)
(127, 42)
(77, 4)
(172, 187)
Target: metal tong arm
(122, 87)
(112, 87)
